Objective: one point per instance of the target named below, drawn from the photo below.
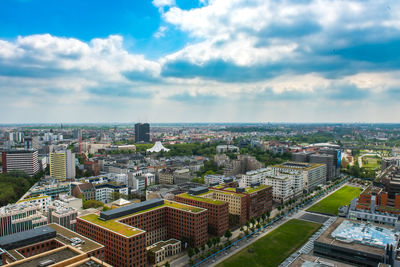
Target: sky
(74, 61)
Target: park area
(371, 162)
(275, 247)
(341, 197)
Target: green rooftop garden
(112, 225)
(255, 189)
(182, 206)
(203, 199)
(31, 198)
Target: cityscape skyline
(222, 61)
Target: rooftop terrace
(247, 190)
(113, 225)
(202, 197)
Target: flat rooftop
(28, 237)
(298, 165)
(159, 245)
(353, 236)
(87, 246)
(305, 260)
(367, 234)
(247, 190)
(57, 255)
(204, 197)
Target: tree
(190, 253)
(253, 221)
(228, 234)
(167, 264)
(209, 243)
(196, 250)
(92, 204)
(115, 196)
(203, 247)
(247, 224)
(241, 229)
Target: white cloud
(162, 3)
(239, 33)
(160, 32)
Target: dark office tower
(330, 164)
(142, 133)
(337, 158)
(302, 156)
(28, 143)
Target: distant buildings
(142, 133)
(182, 176)
(62, 164)
(314, 174)
(328, 154)
(104, 191)
(389, 161)
(242, 164)
(157, 148)
(212, 180)
(22, 160)
(227, 148)
(51, 187)
(31, 143)
(166, 176)
(288, 180)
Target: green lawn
(371, 162)
(275, 247)
(341, 197)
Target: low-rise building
(161, 250)
(166, 176)
(86, 191)
(104, 192)
(181, 176)
(51, 188)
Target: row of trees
(213, 245)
